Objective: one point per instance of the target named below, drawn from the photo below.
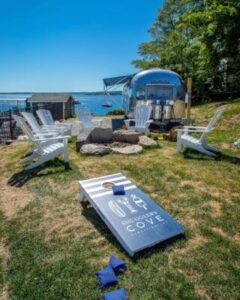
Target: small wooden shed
(61, 105)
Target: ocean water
(12, 100)
(93, 102)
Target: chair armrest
(127, 121)
(191, 130)
(53, 127)
(43, 130)
(149, 121)
(47, 133)
(59, 124)
(97, 122)
(194, 127)
(57, 138)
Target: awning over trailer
(117, 80)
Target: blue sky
(70, 45)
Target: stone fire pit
(131, 137)
(103, 141)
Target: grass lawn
(51, 247)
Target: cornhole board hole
(134, 219)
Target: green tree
(198, 38)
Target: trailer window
(159, 93)
(141, 94)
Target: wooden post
(63, 111)
(189, 90)
(11, 124)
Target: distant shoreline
(82, 93)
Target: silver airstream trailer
(162, 89)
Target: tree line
(198, 39)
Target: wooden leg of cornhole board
(82, 196)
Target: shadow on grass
(191, 154)
(20, 178)
(162, 246)
(91, 215)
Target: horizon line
(57, 92)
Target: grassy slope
(51, 247)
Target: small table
(134, 219)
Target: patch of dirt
(188, 220)
(55, 258)
(168, 152)
(198, 240)
(99, 263)
(236, 238)
(4, 294)
(102, 244)
(99, 242)
(187, 182)
(71, 188)
(219, 231)
(4, 251)
(4, 255)
(216, 192)
(191, 244)
(65, 221)
(231, 122)
(200, 290)
(226, 146)
(216, 207)
(13, 198)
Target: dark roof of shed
(50, 97)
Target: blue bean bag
(106, 277)
(115, 295)
(118, 190)
(117, 264)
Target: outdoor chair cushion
(118, 189)
(115, 295)
(106, 277)
(117, 264)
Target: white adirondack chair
(141, 121)
(199, 144)
(36, 128)
(46, 118)
(86, 122)
(45, 148)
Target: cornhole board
(134, 219)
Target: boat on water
(107, 104)
(77, 102)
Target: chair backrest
(45, 116)
(23, 125)
(29, 117)
(26, 130)
(217, 115)
(84, 115)
(142, 115)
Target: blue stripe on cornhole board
(99, 183)
(108, 177)
(101, 189)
